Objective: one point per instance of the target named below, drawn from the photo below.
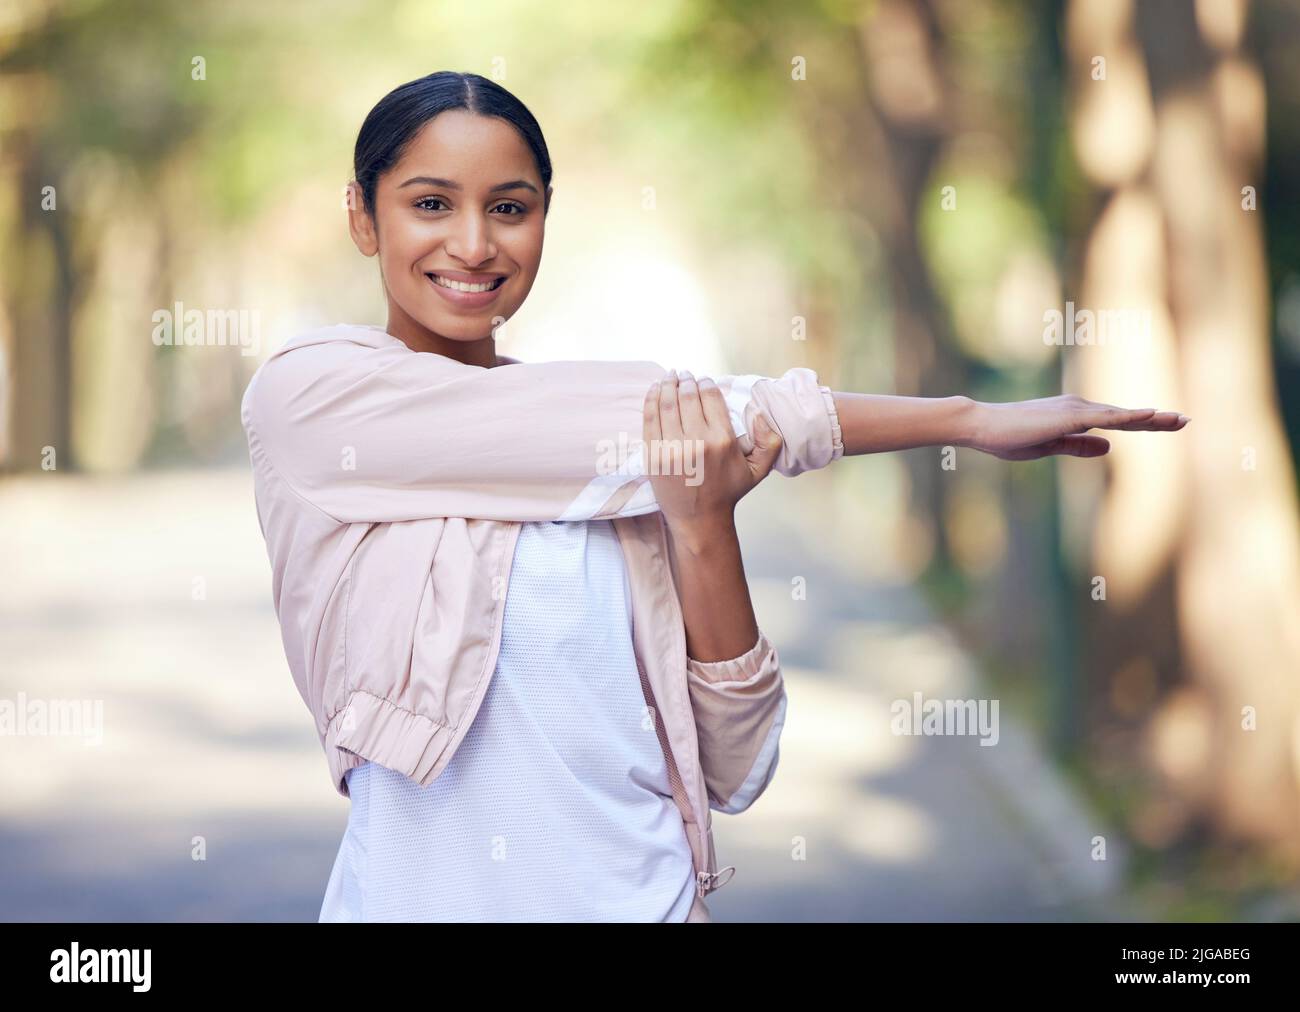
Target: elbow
(749, 792)
(731, 797)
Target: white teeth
(461, 286)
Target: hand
(694, 461)
(1027, 430)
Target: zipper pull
(706, 882)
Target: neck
(417, 337)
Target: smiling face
(458, 225)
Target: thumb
(767, 447)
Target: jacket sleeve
(739, 707)
(381, 434)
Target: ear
(546, 201)
(360, 224)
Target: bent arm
(369, 431)
(734, 675)
(710, 577)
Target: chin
(458, 328)
(462, 326)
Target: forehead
(473, 150)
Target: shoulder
(306, 359)
(331, 343)
(311, 352)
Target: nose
(470, 240)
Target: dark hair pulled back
(400, 114)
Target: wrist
(964, 422)
(701, 532)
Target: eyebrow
(514, 184)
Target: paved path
(150, 595)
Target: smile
(461, 286)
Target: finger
(1102, 405)
(1166, 420)
(716, 415)
(652, 431)
(1146, 419)
(670, 420)
(1072, 445)
(767, 447)
(1097, 417)
(1161, 421)
(1076, 446)
(650, 428)
(689, 406)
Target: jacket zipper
(710, 877)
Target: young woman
(535, 669)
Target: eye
(510, 203)
(423, 201)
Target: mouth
(463, 287)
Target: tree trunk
(1197, 643)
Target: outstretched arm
(1016, 430)
(367, 430)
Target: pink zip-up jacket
(390, 488)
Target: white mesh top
(556, 806)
